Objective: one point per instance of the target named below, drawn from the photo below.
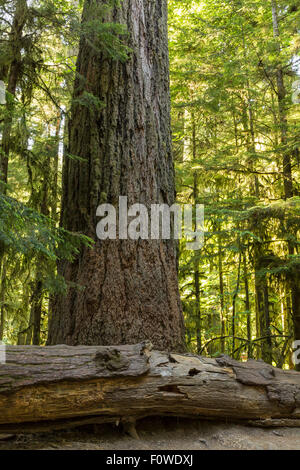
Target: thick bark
(63, 386)
(131, 289)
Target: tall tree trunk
(29, 331)
(256, 226)
(198, 307)
(54, 169)
(196, 260)
(263, 314)
(2, 297)
(235, 295)
(14, 73)
(262, 293)
(221, 286)
(36, 306)
(295, 288)
(287, 171)
(37, 287)
(130, 287)
(281, 95)
(248, 308)
(23, 310)
(268, 344)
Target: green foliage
(31, 234)
(32, 244)
(232, 131)
(89, 101)
(230, 140)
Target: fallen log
(55, 387)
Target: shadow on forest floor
(161, 434)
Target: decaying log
(62, 386)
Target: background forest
(235, 81)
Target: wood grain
(61, 386)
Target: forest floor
(161, 434)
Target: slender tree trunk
(198, 308)
(267, 332)
(29, 332)
(281, 94)
(14, 73)
(289, 320)
(196, 261)
(37, 292)
(257, 228)
(248, 123)
(222, 303)
(248, 308)
(235, 295)
(259, 298)
(287, 171)
(54, 189)
(263, 315)
(129, 289)
(2, 297)
(249, 127)
(36, 306)
(295, 288)
(24, 308)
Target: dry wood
(63, 386)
